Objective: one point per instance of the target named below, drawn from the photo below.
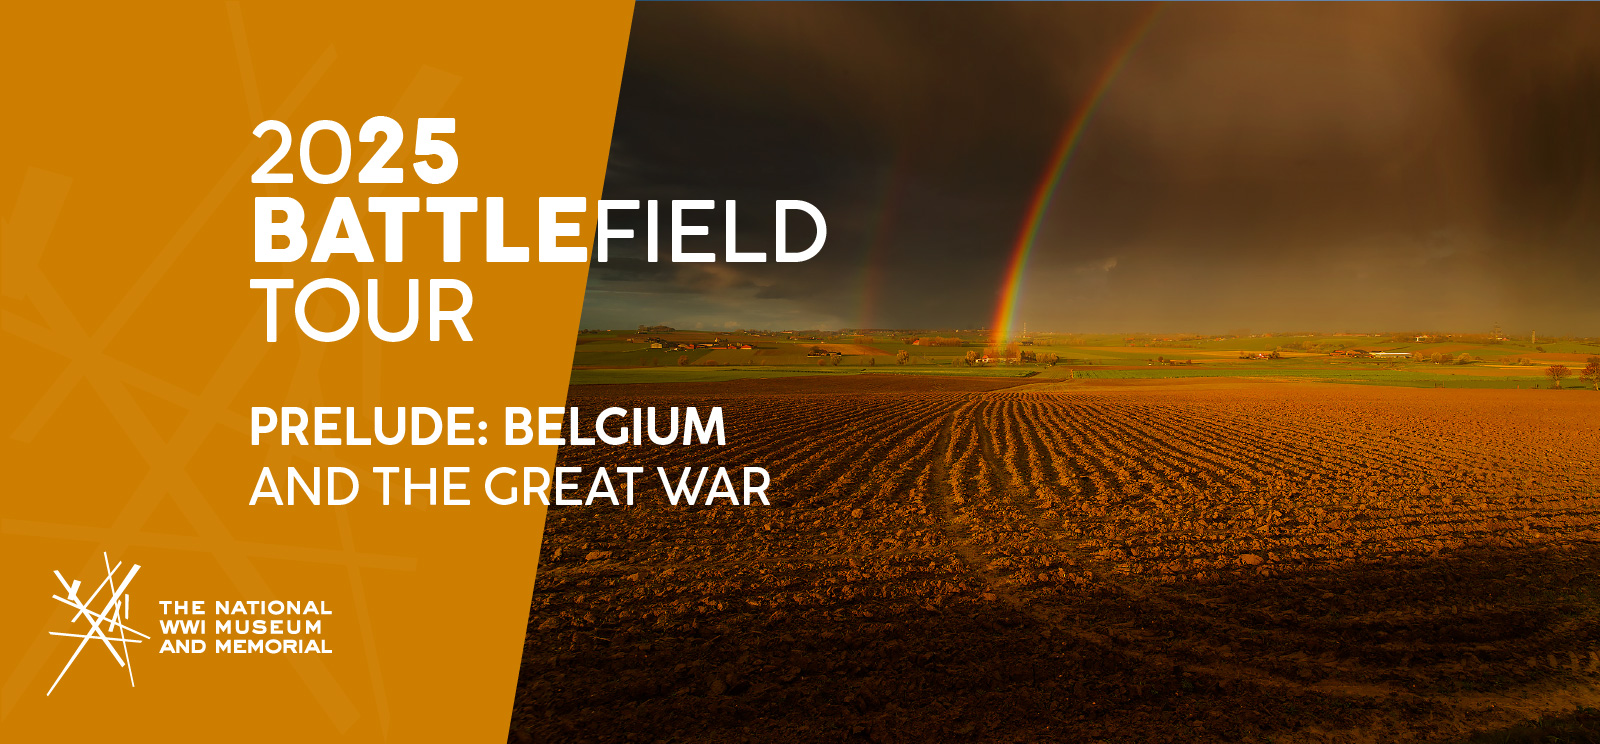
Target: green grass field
(622, 357)
(1419, 376)
(703, 374)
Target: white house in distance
(1391, 355)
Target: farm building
(1390, 355)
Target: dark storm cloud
(1270, 166)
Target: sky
(1272, 167)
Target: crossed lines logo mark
(112, 614)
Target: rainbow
(1005, 314)
(878, 248)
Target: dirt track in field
(982, 560)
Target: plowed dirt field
(967, 560)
